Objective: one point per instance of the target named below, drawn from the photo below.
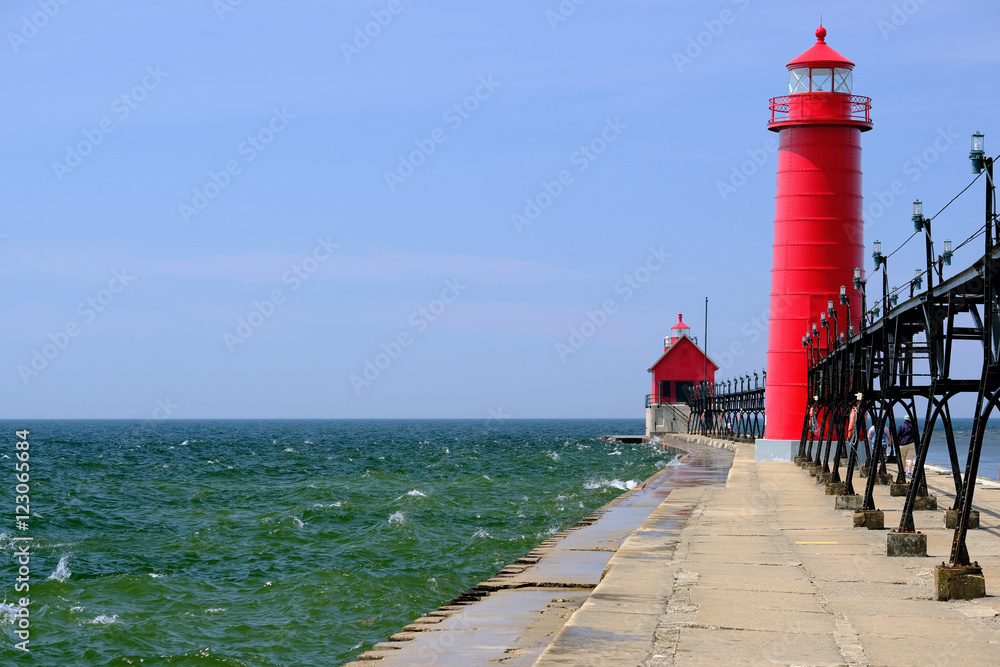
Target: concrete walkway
(761, 570)
(766, 571)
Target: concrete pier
(753, 565)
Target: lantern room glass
(820, 80)
(798, 80)
(843, 80)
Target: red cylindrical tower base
(817, 244)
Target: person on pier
(907, 448)
(886, 440)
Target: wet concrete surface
(512, 618)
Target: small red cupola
(679, 330)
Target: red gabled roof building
(681, 366)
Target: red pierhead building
(681, 366)
(818, 230)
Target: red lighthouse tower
(818, 230)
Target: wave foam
(104, 619)
(602, 483)
(62, 571)
(397, 518)
(8, 610)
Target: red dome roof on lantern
(680, 323)
(820, 55)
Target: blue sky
(215, 209)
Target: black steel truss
(733, 409)
(905, 354)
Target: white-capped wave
(290, 450)
(397, 518)
(154, 575)
(329, 505)
(602, 483)
(8, 611)
(481, 533)
(554, 455)
(104, 619)
(61, 572)
(216, 610)
(415, 493)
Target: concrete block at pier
(883, 478)
(824, 477)
(836, 488)
(798, 460)
(870, 519)
(815, 469)
(926, 503)
(905, 544)
(849, 502)
(898, 490)
(951, 519)
(959, 583)
(766, 449)
(805, 464)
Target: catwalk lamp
(978, 153)
(918, 215)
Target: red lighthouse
(818, 230)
